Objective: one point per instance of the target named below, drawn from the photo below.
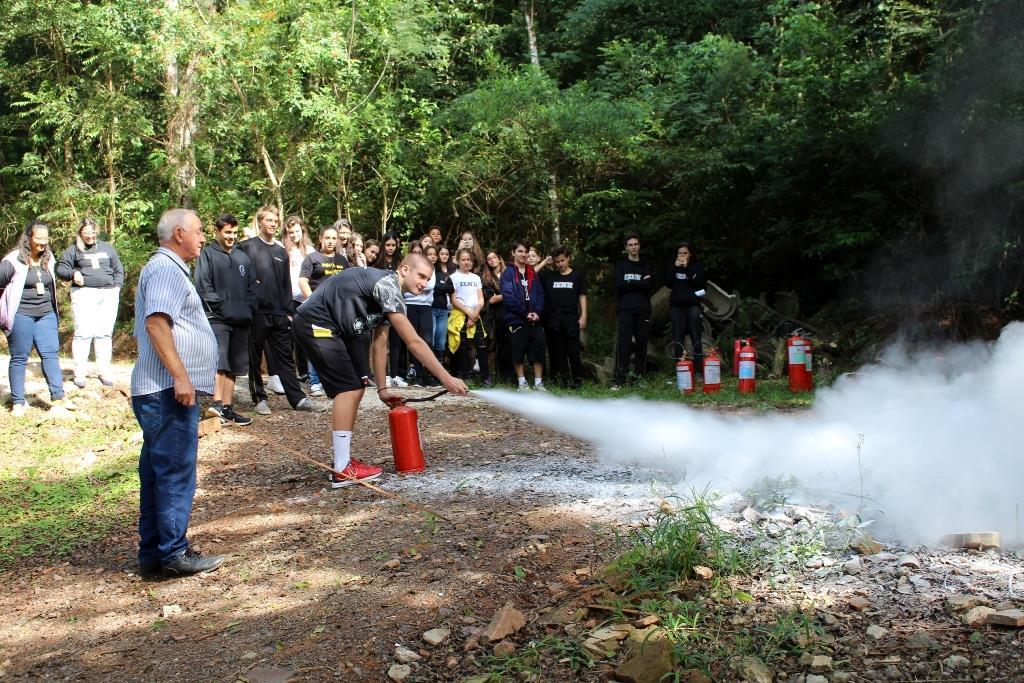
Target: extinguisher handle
(395, 401)
(426, 398)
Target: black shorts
(232, 347)
(334, 357)
(526, 340)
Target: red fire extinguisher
(684, 376)
(747, 367)
(799, 355)
(712, 372)
(736, 346)
(403, 423)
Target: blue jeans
(167, 474)
(314, 378)
(440, 328)
(40, 331)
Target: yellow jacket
(456, 321)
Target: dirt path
(322, 585)
(324, 582)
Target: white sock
(342, 439)
(522, 381)
(536, 381)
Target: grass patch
(771, 393)
(53, 499)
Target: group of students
(530, 312)
(28, 308)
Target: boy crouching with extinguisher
(329, 327)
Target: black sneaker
(216, 410)
(192, 562)
(231, 417)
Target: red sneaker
(356, 472)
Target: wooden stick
(377, 489)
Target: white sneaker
(316, 389)
(274, 384)
(59, 412)
(523, 387)
(18, 410)
(80, 382)
(539, 387)
(262, 408)
(308, 405)
(399, 382)
(387, 382)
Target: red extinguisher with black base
(800, 366)
(403, 424)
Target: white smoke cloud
(940, 433)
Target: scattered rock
(865, 545)
(649, 620)
(909, 561)
(751, 515)
(651, 662)
(171, 610)
(565, 614)
(404, 655)
(858, 602)
(436, 636)
(815, 678)
(399, 672)
(963, 603)
(504, 649)
(977, 616)
(1007, 617)
(977, 540)
(876, 632)
(269, 675)
(704, 573)
(922, 641)
(853, 566)
(393, 564)
(954, 662)
(505, 622)
(451, 662)
(821, 663)
(754, 670)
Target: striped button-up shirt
(165, 286)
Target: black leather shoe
(150, 570)
(192, 562)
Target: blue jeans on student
(167, 474)
(440, 328)
(314, 378)
(41, 332)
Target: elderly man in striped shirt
(177, 358)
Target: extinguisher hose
(387, 494)
(425, 398)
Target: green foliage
(836, 149)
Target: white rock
(876, 632)
(815, 678)
(171, 610)
(854, 566)
(399, 672)
(436, 636)
(751, 515)
(954, 662)
(909, 561)
(404, 655)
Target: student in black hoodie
(271, 321)
(633, 286)
(686, 281)
(227, 287)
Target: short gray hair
(342, 223)
(172, 218)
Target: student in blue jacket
(523, 297)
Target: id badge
(40, 289)
(95, 261)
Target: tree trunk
(182, 107)
(111, 180)
(553, 201)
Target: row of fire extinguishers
(799, 356)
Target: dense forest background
(864, 152)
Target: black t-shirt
(353, 302)
(32, 302)
(562, 292)
(317, 267)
